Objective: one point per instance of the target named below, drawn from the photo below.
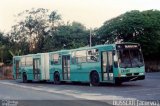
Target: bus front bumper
(130, 78)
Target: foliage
(32, 28)
(37, 30)
(40, 30)
(5, 56)
(134, 26)
(72, 36)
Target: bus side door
(107, 66)
(66, 67)
(36, 69)
(17, 68)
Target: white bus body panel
(45, 66)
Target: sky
(91, 13)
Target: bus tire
(94, 78)
(56, 78)
(25, 78)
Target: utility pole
(90, 38)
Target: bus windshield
(130, 58)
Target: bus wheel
(25, 78)
(94, 79)
(56, 78)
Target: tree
(54, 17)
(134, 26)
(36, 31)
(49, 40)
(73, 36)
(30, 30)
(17, 41)
(5, 57)
(68, 36)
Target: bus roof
(65, 51)
(60, 51)
(93, 47)
(127, 43)
(28, 55)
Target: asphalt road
(66, 94)
(18, 94)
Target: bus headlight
(141, 73)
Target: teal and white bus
(111, 63)
(32, 67)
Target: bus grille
(136, 73)
(129, 74)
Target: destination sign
(127, 46)
(130, 46)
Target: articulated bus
(111, 63)
(32, 67)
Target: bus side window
(56, 58)
(23, 63)
(81, 56)
(80, 59)
(92, 55)
(29, 61)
